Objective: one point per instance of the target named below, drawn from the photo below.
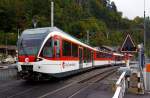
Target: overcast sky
(132, 8)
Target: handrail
(117, 93)
(120, 79)
(120, 86)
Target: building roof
(9, 47)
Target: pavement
(8, 72)
(6, 66)
(3, 66)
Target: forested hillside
(98, 17)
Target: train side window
(48, 49)
(66, 48)
(85, 55)
(88, 55)
(74, 50)
(57, 44)
(99, 55)
(104, 55)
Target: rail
(120, 86)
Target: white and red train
(49, 51)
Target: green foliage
(99, 17)
(8, 38)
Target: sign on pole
(128, 45)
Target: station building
(9, 49)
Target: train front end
(29, 45)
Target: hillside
(99, 17)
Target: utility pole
(144, 28)
(52, 13)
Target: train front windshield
(29, 46)
(31, 41)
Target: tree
(113, 7)
(73, 16)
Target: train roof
(71, 38)
(55, 31)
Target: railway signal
(128, 45)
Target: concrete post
(147, 78)
(142, 65)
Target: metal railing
(120, 86)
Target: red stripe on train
(30, 58)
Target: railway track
(77, 87)
(66, 88)
(97, 77)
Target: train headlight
(27, 60)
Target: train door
(57, 48)
(92, 58)
(80, 57)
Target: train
(50, 52)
